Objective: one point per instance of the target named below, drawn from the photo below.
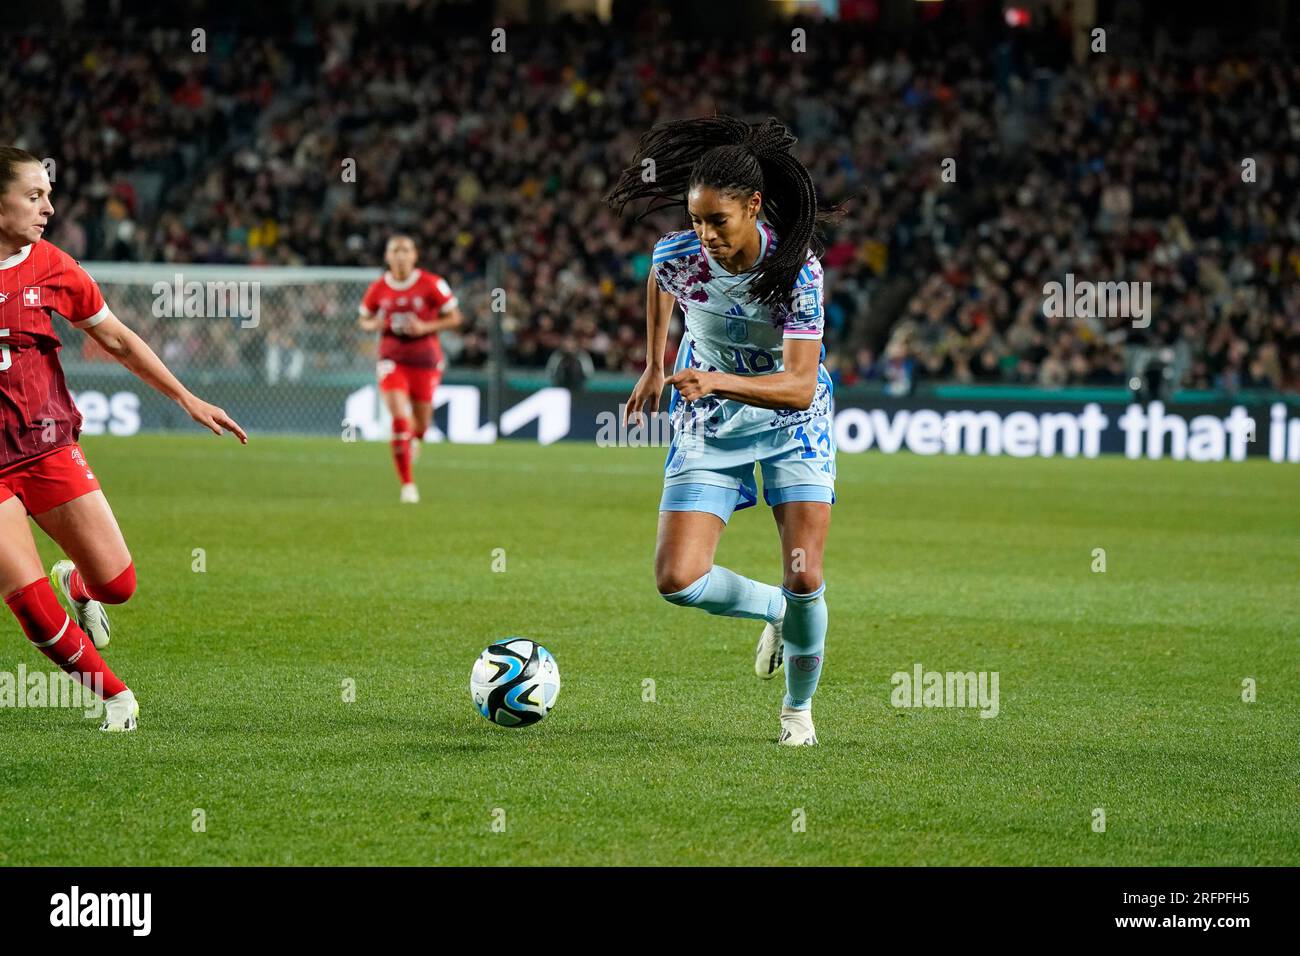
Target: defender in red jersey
(409, 307)
(43, 472)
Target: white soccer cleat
(89, 615)
(121, 713)
(797, 728)
(770, 654)
(410, 495)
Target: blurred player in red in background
(43, 472)
(410, 307)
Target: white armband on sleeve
(93, 320)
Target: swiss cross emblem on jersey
(32, 297)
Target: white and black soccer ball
(514, 682)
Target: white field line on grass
(861, 477)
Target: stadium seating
(1111, 170)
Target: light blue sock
(720, 591)
(804, 633)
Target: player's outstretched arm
(793, 387)
(650, 387)
(134, 355)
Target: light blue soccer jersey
(727, 333)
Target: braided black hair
(737, 159)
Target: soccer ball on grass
(514, 682)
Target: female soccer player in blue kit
(748, 385)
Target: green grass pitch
(1119, 690)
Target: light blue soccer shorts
(716, 475)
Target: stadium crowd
(1175, 176)
(313, 152)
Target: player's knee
(803, 582)
(674, 581)
(116, 591)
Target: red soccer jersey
(422, 296)
(36, 282)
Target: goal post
(278, 347)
